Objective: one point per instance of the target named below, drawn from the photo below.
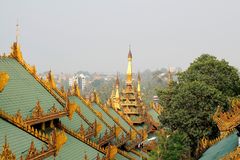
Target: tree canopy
(190, 103)
(214, 72)
(171, 146)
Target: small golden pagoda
(129, 102)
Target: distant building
(155, 99)
(80, 80)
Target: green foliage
(103, 87)
(190, 109)
(189, 104)
(148, 86)
(172, 146)
(218, 74)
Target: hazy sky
(94, 35)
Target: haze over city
(67, 36)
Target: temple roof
(75, 123)
(88, 113)
(26, 95)
(104, 114)
(154, 114)
(23, 91)
(123, 123)
(75, 149)
(133, 155)
(21, 94)
(221, 148)
(18, 140)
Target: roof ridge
(17, 121)
(32, 72)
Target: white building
(80, 80)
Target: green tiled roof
(154, 115)
(120, 157)
(221, 148)
(108, 119)
(134, 155)
(105, 116)
(74, 149)
(139, 127)
(23, 91)
(88, 113)
(18, 140)
(74, 123)
(121, 120)
(58, 96)
(143, 153)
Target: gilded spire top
(117, 80)
(139, 85)
(17, 32)
(129, 69)
(139, 77)
(129, 52)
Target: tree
(214, 72)
(190, 103)
(171, 146)
(190, 110)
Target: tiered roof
(23, 91)
(19, 141)
(222, 148)
(27, 101)
(225, 146)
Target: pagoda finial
(139, 77)
(51, 80)
(16, 52)
(129, 52)
(129, 69)
(139, 85)
(17, 32)
(117, 80)
(76, 89)
(116, 103)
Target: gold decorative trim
(6, 152)
(4, 78)
(232, 155)
(83, 139)
(228, 120)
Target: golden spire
(139, 85)
(117, 100)
(112, 94)
(17, 32)
(117, 87)
(76, 89)
(129, 69)
(51, 80)
(16, 52)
